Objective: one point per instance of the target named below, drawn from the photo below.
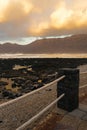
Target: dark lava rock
(5, 93)
(32, 87)
(2, 83)
(8, 94)
(18, 94)
(13, 85)
(1, 121)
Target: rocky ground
(20, 76)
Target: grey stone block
(77, 113)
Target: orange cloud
(62, 16)
(39, 18)
(15, 10)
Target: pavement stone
(71, 121)
(84, 118)
(83, 107)
(77, 113)
(63, 127)
(82, 125)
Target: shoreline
(55, 55)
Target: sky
(24, 21)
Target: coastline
(55, 55)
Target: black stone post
(70, 86)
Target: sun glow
(27, 6)
(3, 5)
(60, 17)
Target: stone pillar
(70, 86)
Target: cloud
(62, 20)
(15, 17)
(15, 10)
(19, 18)
(65, 17)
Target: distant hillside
(73, 44)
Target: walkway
(61, 120)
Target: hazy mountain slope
(73, 44)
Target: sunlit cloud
(3, 6)
(23, 18)
(60, 17)
(15, 10)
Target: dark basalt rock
(43, 69)
(8, 94)
(2, 83)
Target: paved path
(61, 120)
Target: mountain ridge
(71, 44)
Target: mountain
(73, 44)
